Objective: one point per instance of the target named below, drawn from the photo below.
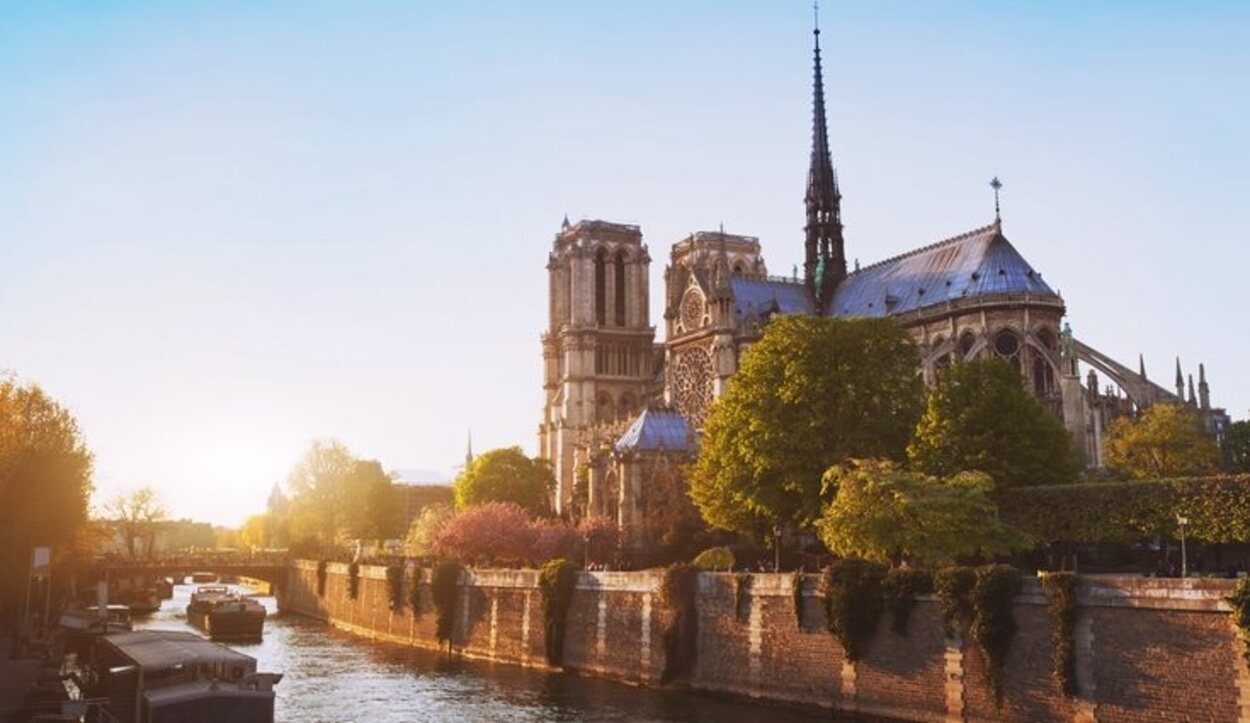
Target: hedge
(1218, 509)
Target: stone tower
(597, 351)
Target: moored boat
(225, 615)
(199, 577)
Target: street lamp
(1181, 522)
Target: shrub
(1239, 601)
(953, 586)
(715, 558)
(742, 589)
(445, 589)
(498, 532)
(901, 586)
(853, 602)
(395, 586)
(419, 541)
(796, 596)
(321, 577)
(353, 580)
(555, 540)
(993, 624)
(556, 583)
(602, 538)
(414, 591)
(1060, 587)
(679, 593)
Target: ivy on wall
(1239, 601)
(796, 595)
(679, 594)
(742, 591)
(953, 586)
(556, 582)
(322, 566)
(445, 589)
(1060, 587)
(395, 586)
(414, 591)
(993, 624)
(853, 602)
(901, 586)
(353, 580)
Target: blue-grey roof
(977, 263)
(655, 430)
(764, 296)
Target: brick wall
(1147, 650)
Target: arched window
(1007, 346)
(604, 410)
(1043, 376)
(620, 288)
(601, 287)
(966, 342)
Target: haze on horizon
(227, 229)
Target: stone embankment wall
(1147, 650)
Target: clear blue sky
(227, 228)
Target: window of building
(620, 288)
(601, 287)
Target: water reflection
(332, 676)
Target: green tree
(137, 515)
(980, 417)
(506, 475)
(884, 513)
(318, 486)
(372, 511)
(45, 483)
(1237, 446)
(811, 393)
(1166, 440)
(419, 541)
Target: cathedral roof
(753, 295)
(977, 263)
(655, 430)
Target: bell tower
(597, 349)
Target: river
(333, 676)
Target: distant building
(412, 498)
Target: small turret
(1204, 392)
(1193, 400)
(1141, 366)
(1180, 381)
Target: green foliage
(414, 592)
(1239, 601)
(742, 592)
(679, 594)
(796, 596)
(371, 509)
(980, 417)
(882, 512)
(395, 586)
(506, 475)
(45, 485)
(321, 577)
(953, 586)
(853, 602)
(1237, 447)
(318, 484)
(1167, 440)
(353, 580)
(1060, 587)
(993, 624)
(1218, 509)
(813, 392)
(556, 581)
(715, 558)
(424, 529)
(445, 589)
(901, 586)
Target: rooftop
(159, 649)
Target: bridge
(271, 568)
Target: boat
(169, 676)
(201, 577)
(145, 600)
(164, 588)
(83, 627)
(225, 615)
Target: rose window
(693, 384)
(692, 310)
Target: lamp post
(1181, 522)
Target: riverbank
(1145, 648)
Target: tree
(810, 394)
(980, 417)
(137, 514)
(371, 509)
(1237, 446)
(45, 483)
(425, 528)
(255, 531)
(495, 532)
(1166, 440)
(885, 513)
(506, 475)
(318, 485)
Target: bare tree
(137, 513)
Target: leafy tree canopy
(811, 393)
(884, 513)
(980, 417)
(372, 511)
(1237, 446)
(506, 475)
(1165, 441)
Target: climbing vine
(1060, 587)
(796, 595)
(414, 592)
(993, 624)
(742, 590)
(353, 580)
(556, 582)
(445, 589)
(953, 586)
(678, 592)
(901, 586)
(395, 586)
(322, 566)
(1240, 603)
(853, 602)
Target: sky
(230, 228)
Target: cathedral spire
(1180, 380)
(468, 453)
(823, 200)
(1204, 391)
(1141, 366)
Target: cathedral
(623, 412)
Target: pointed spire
(1193, 399)
(997, 186)
(1141, 366)
(468, 454)
(1204, 391)
(1180, 380)
(823, 200)
(565, 225)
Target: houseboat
(225, 615)
(200, 577)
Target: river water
(333, 676)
